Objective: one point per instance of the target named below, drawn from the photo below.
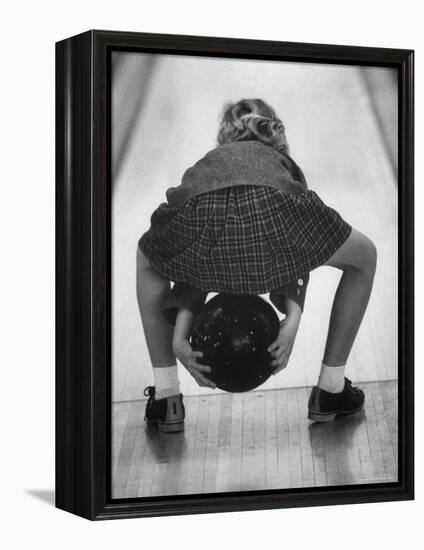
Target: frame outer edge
(406, 269)
(82, 263)
(74, 418)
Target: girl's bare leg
(357, 259)
(151, 291)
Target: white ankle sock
(166, 382)
(331, 379)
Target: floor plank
(236, 443)
(191, 405)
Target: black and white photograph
(254, 275)
(211, 234)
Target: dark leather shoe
(166, 414)
(325, 406)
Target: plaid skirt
(243, 239)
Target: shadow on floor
(165, 447)
(45, 495)
(323, 433)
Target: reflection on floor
(253, 441)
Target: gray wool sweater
(239, 163)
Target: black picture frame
(83, 424)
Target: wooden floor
(253, 441)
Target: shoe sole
(168, 427)
(328, 417)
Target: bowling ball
(234, 332)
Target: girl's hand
(185, 354)
(282, 347)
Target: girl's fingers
(280, 361)
(195, 369)
(280, 369)
(277, 349)
(281, 366)
(201, 368)
(205, 382)
(197, 354)
(280, 352)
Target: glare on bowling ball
(234, 332)
(242, 343)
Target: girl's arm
(282, 347)
(184, 352)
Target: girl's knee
(367, 256)
(358, 252)
(372, 255)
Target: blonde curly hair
(252, 119)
